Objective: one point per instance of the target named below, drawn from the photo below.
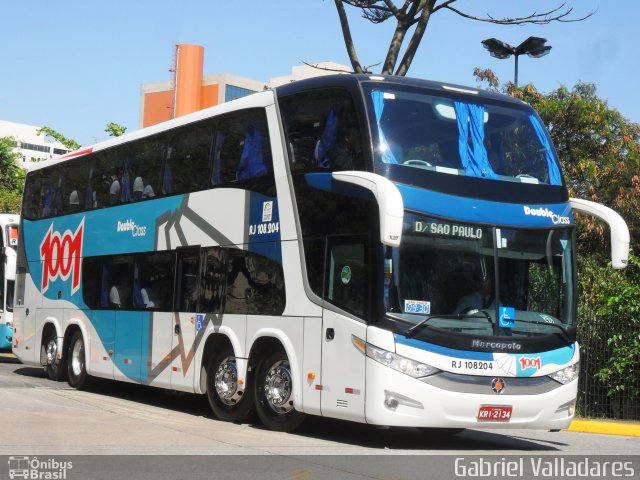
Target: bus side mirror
(619, 231)
(388, 197)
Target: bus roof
(262, 99)
(355, 80)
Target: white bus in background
(376, 249)
(9, 233)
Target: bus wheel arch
(53, 353)
(273, 386)
(228, 398)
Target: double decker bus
(9, 244)
(383, 250)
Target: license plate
(490, 413)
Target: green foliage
(11, 178)
(115, 130)
(67, 142)
(613, 297)
(599, 150)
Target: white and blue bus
(9, 244)
(382, 250)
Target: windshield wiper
(565, 332)
(410, 332)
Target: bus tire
(226, 401)
(55, 367)
(273, 388)
(76, 366)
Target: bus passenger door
(343, 364)
(185, 320)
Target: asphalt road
(41, 417)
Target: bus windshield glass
(459, 135)
(481, 280)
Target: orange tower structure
(190, 90)
(188, 79)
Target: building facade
(29, 145)
(190, 90)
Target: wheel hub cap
(77, 358)
(52, 350)
(226, 381)
(278, 388)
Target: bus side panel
(312, 365)
(130, 348)
(24, 318)
(159, 362)
(101, 347)
(343, 368)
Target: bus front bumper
(396, 399)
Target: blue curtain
(167, 176)
(137, 294)
(216, 180)
(104, 286)
(387, 155)
(327, 140)
(552, 164)
(251, 164)
(125, 197)
(470, 118)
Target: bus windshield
(454, 135)
(481, 280)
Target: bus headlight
(567, 374)
(400, 363)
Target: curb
(604, 427)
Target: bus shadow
(34, 372)
(340, 431)
(420, 439)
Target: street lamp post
(533, 46)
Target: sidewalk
(607, 427)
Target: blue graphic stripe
(450, 352)
(483, 211)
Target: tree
(115, 130)
(11, 178)
(67, 142)
(598, 148)
(416, 14)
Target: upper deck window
(323, 130)
(460, 135)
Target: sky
(76, 65)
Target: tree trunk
(348, 41)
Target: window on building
(231, 92)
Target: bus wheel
(55, 367)
(227, 401)
(76, 367)
(273, 394)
